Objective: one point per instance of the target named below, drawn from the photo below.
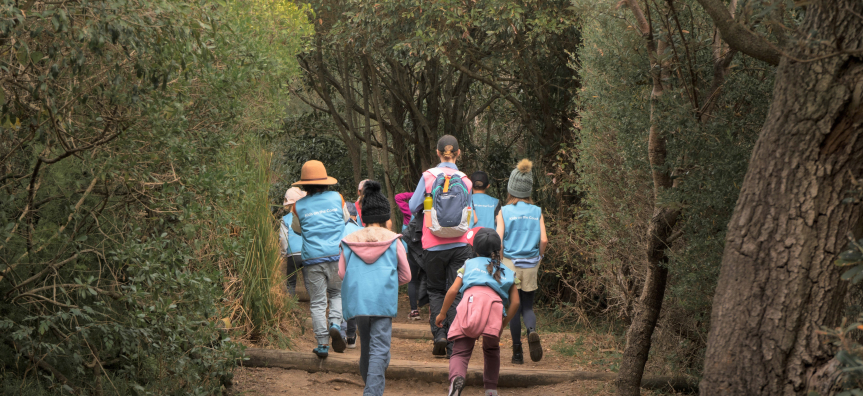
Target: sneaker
(415, 315)
(491, 392)
(439, 346)
(337, 341)
(517, 354)
(322, 351)
(352, 342)
(456, 386)
(534, 345)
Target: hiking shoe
(337, 341)
(517, 354)
(322, 351)
(534, 346)
(415, 315)
(439, 346)
(352, 342)
(456, 386)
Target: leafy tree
(120, 121)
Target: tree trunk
(778, 283)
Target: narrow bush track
(590, 355)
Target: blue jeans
(322, 281)
(375, 335)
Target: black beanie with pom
(376, 207)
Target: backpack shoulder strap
(429, 176)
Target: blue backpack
(450, 211)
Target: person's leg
(462, 350)
(292, 267)
(456, 261)
(334, 292)
(363, 326)
(414, 285)
(434, 267)
(380, 335)
(491, 358)
(316, 284)
(526, 299)
(351, 331)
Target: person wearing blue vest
(441, 257)
(290, 242)
(373, 265)
(487, 289)
(320, 218)
(522, 227)
(349, 326)
(485, 206)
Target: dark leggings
(525, 311)
(414, 285)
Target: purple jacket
(402, 201)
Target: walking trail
(573, 364)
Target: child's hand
(438, 321)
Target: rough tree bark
(778, 283)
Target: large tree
(778, 283)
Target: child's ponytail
(493, 266)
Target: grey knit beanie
(521, 180)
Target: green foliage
(709, 139)
(118, 122)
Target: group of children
(476, 260)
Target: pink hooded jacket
(370, 243)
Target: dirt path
(561, 352)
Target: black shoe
(337, 342)
(456, 386)
(517, 354)
(534, 345)
(439, 346)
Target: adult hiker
(522, 227)
(290, 242)
(443, 197)
(373, 265)
(486, 206)
(487, 289)
(320, 218)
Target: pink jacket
(480, 313)
(370, 243)
(402, 201)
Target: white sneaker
(456, 386)
(491, 392)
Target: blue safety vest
(521, 230)
(322, 221)
(484, 206)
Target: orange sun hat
(315, 173)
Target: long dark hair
(494, 269)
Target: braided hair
(494, 268)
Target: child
(291, 243)
(414, 252)
(320, 218)
(373, 265)
(486, 288)
(486, 206)
(522, 227)
(349, 326)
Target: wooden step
(411, 331)
(439, 372)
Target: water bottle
(427, 206)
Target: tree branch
(738, 36)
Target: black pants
(439, 268)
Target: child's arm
(501, 228)
(543, 238)
(404, 268)
(513, 306)
(447, 301)
(342, 265)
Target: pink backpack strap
(429, 177)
